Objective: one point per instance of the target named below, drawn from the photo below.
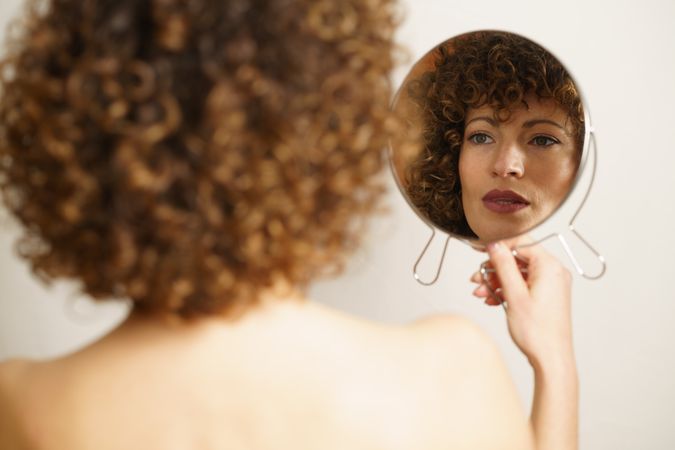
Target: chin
(496, 235)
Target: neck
(279, 297)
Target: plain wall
(621, 54)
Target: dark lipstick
(504, 201)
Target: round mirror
(494, 138)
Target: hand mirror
(496, 139)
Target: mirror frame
(588, 136)
(589, 140)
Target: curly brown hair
(492, 68)
(188, 155)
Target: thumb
(514, 287)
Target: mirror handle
(440, 263)
(592, 146)
(575, 262)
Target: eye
(480, 139)
(544, 141)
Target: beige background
(622, 55)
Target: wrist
(555, 366)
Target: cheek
(554, 179)
(568, 170)
(467, 171)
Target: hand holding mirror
(497, 138)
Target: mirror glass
(494, 136)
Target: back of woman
(290, 377)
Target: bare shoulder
(449, 325)
(457, 336)
(10, 377)
(458, 342)
(472, 386)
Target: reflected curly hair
(188, 154)
(482, 68)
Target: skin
(290, 374)
(256, 382)
(539, 321)
(532, 154)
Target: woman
(207, 162)
(503, 135)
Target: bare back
(289, 375)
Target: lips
(504, 202)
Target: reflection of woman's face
(515, 173)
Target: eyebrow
(488, 119)
(528, 124)
(533, 122)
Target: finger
(527, 252)
(491, 301)
(476, 277)
(512, 283)
(538, 260)
(481, 291)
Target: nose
(509, 161)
